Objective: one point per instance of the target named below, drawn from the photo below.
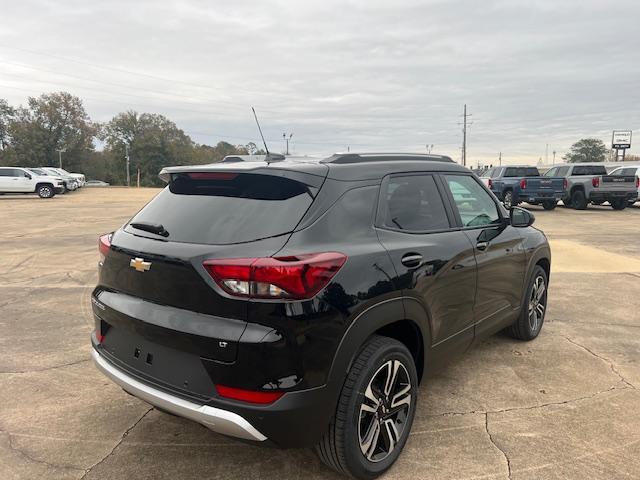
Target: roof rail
(339, 158)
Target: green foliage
(587, 150)
(6, 114)
(31, 136)
(48, 123)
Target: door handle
(411, 260)
(482, 246)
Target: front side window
(552, 172)
(474, 204)
(413, 204)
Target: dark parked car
(516, 184)
(300, 303)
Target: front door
(499, 252)
(434, 262)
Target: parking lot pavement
(562, 406)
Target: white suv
(21, 180)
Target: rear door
(6, 174)
(498, 249)
(12, 180)
(434, 261)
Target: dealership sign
(621, 139)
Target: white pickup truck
(22, 180)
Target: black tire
(567, 202)
(342, 444)
(45, 191)
(549, 204)
(524, 328)
(507, 199)
(578, 200)
(618, 203)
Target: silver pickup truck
(589, 183)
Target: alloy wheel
(537, 303)
(384, 411)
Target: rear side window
(225, 208)
(475, 206)
(11, 172)
(413, 204)
(589, 170)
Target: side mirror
(521, 217)
(27, 175)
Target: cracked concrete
(562, 406)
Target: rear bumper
(217, 419)
(608, 196)
(538, 197)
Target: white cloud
(373, 75)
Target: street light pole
(126, 149)
(284, 135)
(60, 156)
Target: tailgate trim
(216, 419)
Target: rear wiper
(156, 228)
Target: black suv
(300, 302)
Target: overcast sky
(371, 75)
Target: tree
(49, 123)
(6, 115)
(587, 150)
(153, 141)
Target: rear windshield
(225, 208)
(521, 172)
(589, 170)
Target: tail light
(104, 245)
(523, 184)
(565, 183)
(490, 184)
(595, 181)
(249, 396)
(637, 182)
(293, 277)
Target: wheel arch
(41, 184)
(575, 188)
(387, 318)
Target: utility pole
(286, 139)
(60, 156)
(126, 148)
(429, 148)
(464, 136)
(554, 157)
(500, 159)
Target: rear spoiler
(312, 174)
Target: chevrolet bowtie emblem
(139, 264)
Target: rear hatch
(617, 183)
(543, 186)
(159, 310)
